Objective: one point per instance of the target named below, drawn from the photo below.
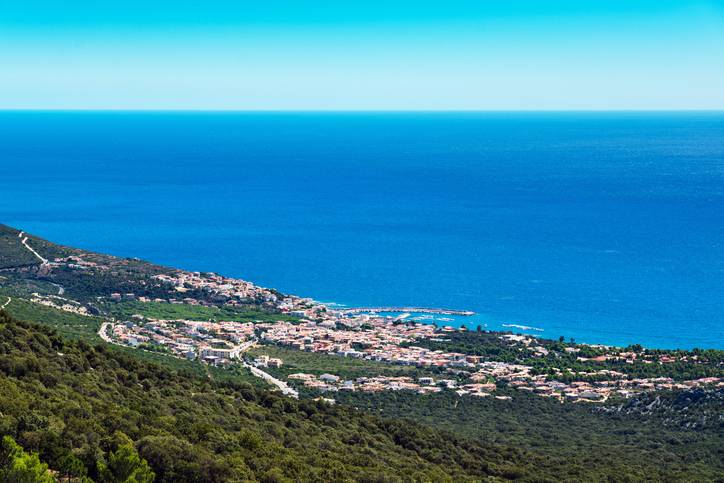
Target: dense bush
(666, 436)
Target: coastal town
(389, 335)
(381, 339)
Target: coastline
(549, 329)
(214, 319)
(571, 245)
(603, 336)
(411, 310)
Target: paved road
(6, 303)
(103, 332)
(286, 390)
(247, 345)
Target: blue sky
(347, 55)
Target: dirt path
(24, 241)
(60, 288)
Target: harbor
(411, 310)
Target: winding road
(24, 241)
(283, 386)
(6, 303)
(103, 332)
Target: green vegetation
(578, 442)
(316, 363)
(68, 400)
(168, 311)
(710, 363)
(124, 464)
(19, 284)
(486, 344)
(79, 410)
(123, 276)
(14, 254)
(233, 374)
(18, 466)
(79, 327)
(68, 324)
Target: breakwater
(416, 310)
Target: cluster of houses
(211, 342)
(423, 385)
(607, 353)
(233, 291)
(354, 334)
(358, 335)
(60, 303)
(182, 285)
(387, 341)
(77, 263)
(520, 377)
(266, 361)
(383, 340)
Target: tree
(71, 467)
(125, 465)
(20, 467)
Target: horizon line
(342, 111)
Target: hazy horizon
(373, 111)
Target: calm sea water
(608, 228)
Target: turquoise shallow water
(607, 228)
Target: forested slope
(672, 436)
(70, 401)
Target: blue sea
(604, 227)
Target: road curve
(103, 332)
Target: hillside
(62, 399)
(12, 252)
(108, 363)
(662, 437)
(92, 278)
(72, 402)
